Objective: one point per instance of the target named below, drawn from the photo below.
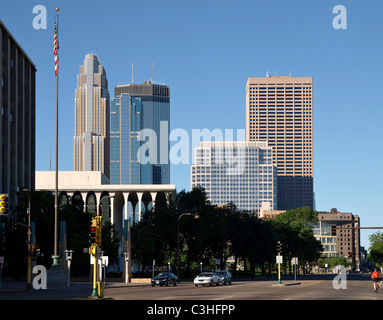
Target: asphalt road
(316, 287)
(319, 293)
(327, 287)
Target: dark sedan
(164, 279)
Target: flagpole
(55, 255)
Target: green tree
(193, 229)
(143, 242)
(376, 247)
(110, 241)
(294, 229)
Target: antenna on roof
(152, 73)
(267, 73)
(132, 73)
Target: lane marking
(311, 284)
(224, 298)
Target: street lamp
(99, 204)
(178, 243)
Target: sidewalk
(77, 290)
(17, 290)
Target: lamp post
(178, 243)
(29, 281)
(99, 204)
(68, 258)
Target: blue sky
(205, 51)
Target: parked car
(207, 278)
(224, 275)
(164, 279)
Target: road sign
(279, 259)
(294, 261)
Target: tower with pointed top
(92, 118)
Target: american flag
(56, 49)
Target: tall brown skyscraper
(279, 109)
(92, 117)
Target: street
(318, 287)
(309, 287)
(183, 300)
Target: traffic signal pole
(94, 291)
(279, 264)
(95, 241)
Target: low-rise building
(337, 233)
(335, 230)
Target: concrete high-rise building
(279, 110)
(17, 118)
(140, 109)
(92, 118)
(346, 240)
(240, 172)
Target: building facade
(337, 232)
(18, 117)
(345, 242)
(92, 118)
(140, 134)
(236, 171)
(124, 144)
(279, 110)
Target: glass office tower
(140, 109)
(125, 127)
(239, 172)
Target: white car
(207, 278)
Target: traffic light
(92, 235)
(279, 247)
(98, 235)
(35, 251)
(350, 255)
(333, 230)
(3, 204)
(95, 232)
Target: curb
(286, 284)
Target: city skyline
(206, 54)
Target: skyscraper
(124, 144)
(17, 118)
(279, 110)
(137, 109)
(92, 116)
(240, 172)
